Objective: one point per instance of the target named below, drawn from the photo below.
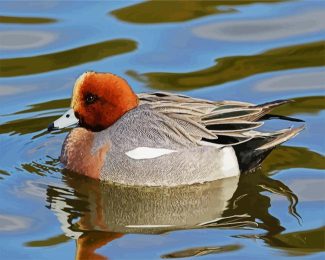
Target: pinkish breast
(77, 153)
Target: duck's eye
(90, 99)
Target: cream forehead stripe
(77, 86)
(141, 153)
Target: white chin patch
(141, 153)
(66, 120)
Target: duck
(161, 138)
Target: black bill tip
(50, 127)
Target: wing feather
(198, 119)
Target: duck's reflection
(130, 209)
(96, 213)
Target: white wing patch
(141, 153)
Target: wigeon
(161, 139)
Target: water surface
(250, 50)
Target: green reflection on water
(293, 157)
(59, 239)
(300, 242)
(48, 105)
(42, 168)
(25, 20)
(253, 189)
(302, 105)
(238, 67)
(64, 59)
(31, 124)
(178, 11)
(27, 125)
(3, 173)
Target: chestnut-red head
(100, 99)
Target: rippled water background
(246, 50)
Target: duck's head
(98, 101)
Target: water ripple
(19, 40)
(25, 20)
(237, 67)
(65, 59)
(264, 29)
(177, 11)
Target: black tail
(248, 157)
(251, 153)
